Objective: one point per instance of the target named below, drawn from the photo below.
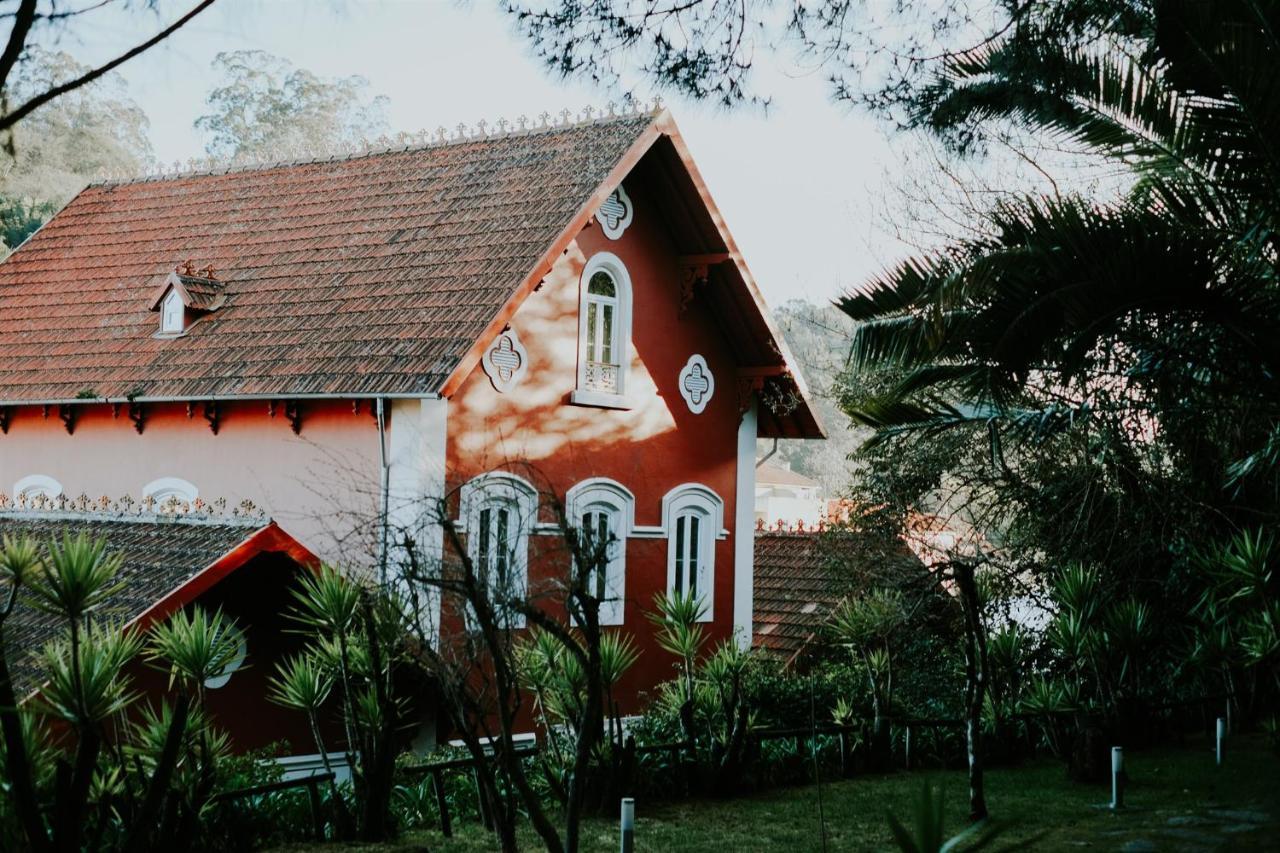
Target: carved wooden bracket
(191, 410)
(271, 408)
(6, 417)
(293, 411)
(67, 414)
(753, 380)
(213, 414)
(748, 386)
(138, 415)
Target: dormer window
(186, 294)
(604, 333)
(172, 313)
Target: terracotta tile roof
(159, 555)
(800, 577)
(361, 276)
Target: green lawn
(1177, 800)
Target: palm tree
(1159, 308)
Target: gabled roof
(385, 274)
(167, 564)
(198, 293)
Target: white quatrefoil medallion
(505, 361)
(697, 384)
(615, 213)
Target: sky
(798, 184)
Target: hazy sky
(797, 186)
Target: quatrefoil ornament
(505, 361)
(697, 384)
(615, 213)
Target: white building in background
(784, 495)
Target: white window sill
(600, 399)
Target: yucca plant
(927, 833)
(357, 639)
(302, 684)
(676, 618)
(144, 790)
(76, 579)
(866, 626)
(195, 646)
(86, 685)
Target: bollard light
(1221, 735)
(1117, 777)
(628, 825)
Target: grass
(1033, 803)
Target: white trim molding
(514, 502)
(596, 393)
(37, 485)
(697, 385)
(616, 213)
(694, 501)
(618, 504)
(744, 499)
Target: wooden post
(484, 801)
(442, 804)
(906, 741)
(317, 819)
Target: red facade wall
(651, 448)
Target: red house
(345, 339)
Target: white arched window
(693, 518)
(37, 488)
(498, 512)
(604, 332)
(604, 510)
(169, 493)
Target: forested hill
(819, 339)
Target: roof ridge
(170, 510)
(135, 518)
(424, 140)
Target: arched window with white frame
(604, 331)
(693, 519)
(37, 490)
(603, 510)
(498, 512)
(170, 494)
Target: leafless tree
(29, 18)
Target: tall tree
(266, 108)
(66, 143)
(30, 20)
(1151, 316)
